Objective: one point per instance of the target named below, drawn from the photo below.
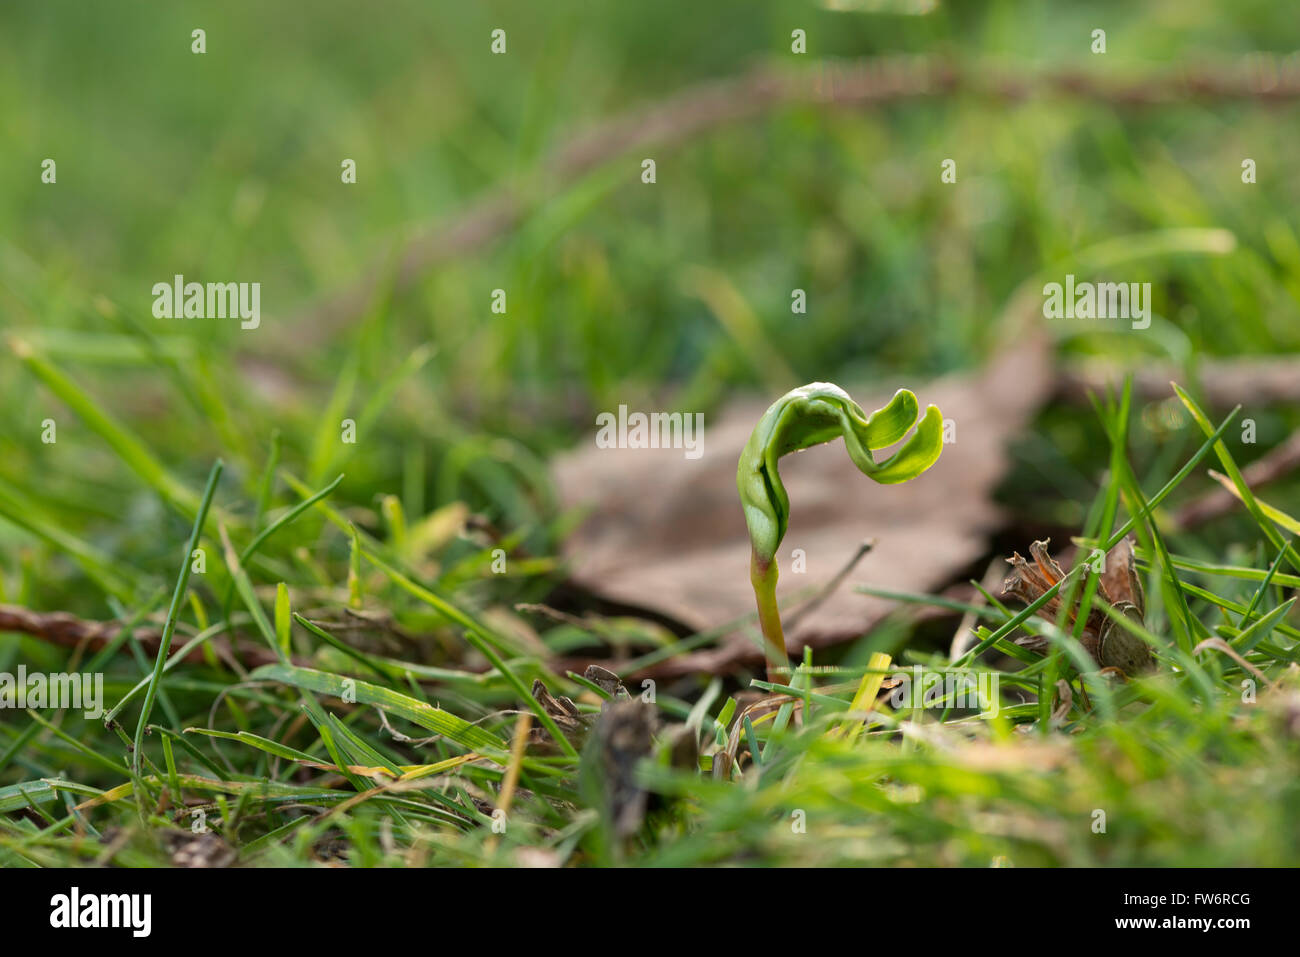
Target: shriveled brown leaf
(606, 680)
(666, 533)
(563, 712)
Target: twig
(829, 83)
(793, 618)
(69, 631)
(1278, 463)
(1218, 644)
(1224, 382)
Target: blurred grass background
(225, 166)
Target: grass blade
(456, 729)
(169, 628)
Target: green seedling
(810, 415)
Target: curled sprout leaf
(810, 415)
(820, 412)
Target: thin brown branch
(829, 83)
(1278, 463)
(1223, 382)
(798, 614)
(69, 631)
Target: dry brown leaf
(666, 533)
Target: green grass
(350, 674)
(309, 757)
